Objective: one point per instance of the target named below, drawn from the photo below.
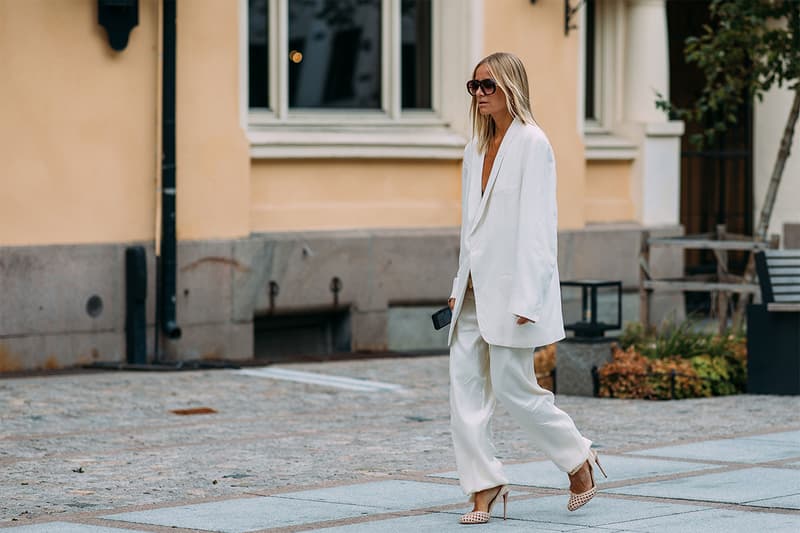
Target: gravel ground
(85, 442)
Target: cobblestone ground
(98, 441)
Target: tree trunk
(769, 201)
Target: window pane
(589, 58)
(335, 54)
(259, 53)
(415, 31)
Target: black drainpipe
(167, 261)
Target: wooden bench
(773, 327)
(779, 276)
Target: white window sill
(413, 139)
(600, 145)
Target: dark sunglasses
(488, 85)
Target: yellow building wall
(535, 32)
(291, 195)
(77, 133)
(608, 192)
(79, 156)
(78, 136)
(213, 154)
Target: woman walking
(506, 296)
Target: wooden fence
(721, 285)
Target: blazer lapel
(498, 161)
(474, 192)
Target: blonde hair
(509, 73)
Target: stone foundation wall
(222, 285)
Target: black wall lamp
(118, 17)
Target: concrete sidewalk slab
(302, 507)
(608, 512)
(784, 502)
(391, 495)
(434, 523)
(738, 486)
(792, 437)
(285, 457)
(69, 527)
(545, 474)
(246, 514)
(740, 450)
(325, 380)
(717, 521)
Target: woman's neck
(501, 124)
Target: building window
(339, 54)
(603, 32)
(335, 54)
(258, 53)
(357, 78)
(415, 34)
(589, 105)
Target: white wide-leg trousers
(480, 373)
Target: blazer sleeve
(536, 247)
(464, 191)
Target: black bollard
(135, 296)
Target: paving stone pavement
(105, 453)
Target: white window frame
(391, 132)
(600, 140)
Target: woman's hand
(451, 302)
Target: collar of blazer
(477, 202)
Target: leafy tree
(751, 47)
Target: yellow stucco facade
(80, 134)
(324, 194)
(296, 195)
(608, 196)
(283, 209)
(536, 35)
(212, 150)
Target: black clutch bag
(442, 317)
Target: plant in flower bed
(544, 361)
(677, 362)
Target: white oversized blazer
(508, 241)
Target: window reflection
(590, 113)
(259, 53)
(335, 54)
(415, 31)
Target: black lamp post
(590, 325)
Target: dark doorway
(717, 180)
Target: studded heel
(579, 500)
(480, 517)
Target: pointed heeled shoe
(480, 517)
(579, 500)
